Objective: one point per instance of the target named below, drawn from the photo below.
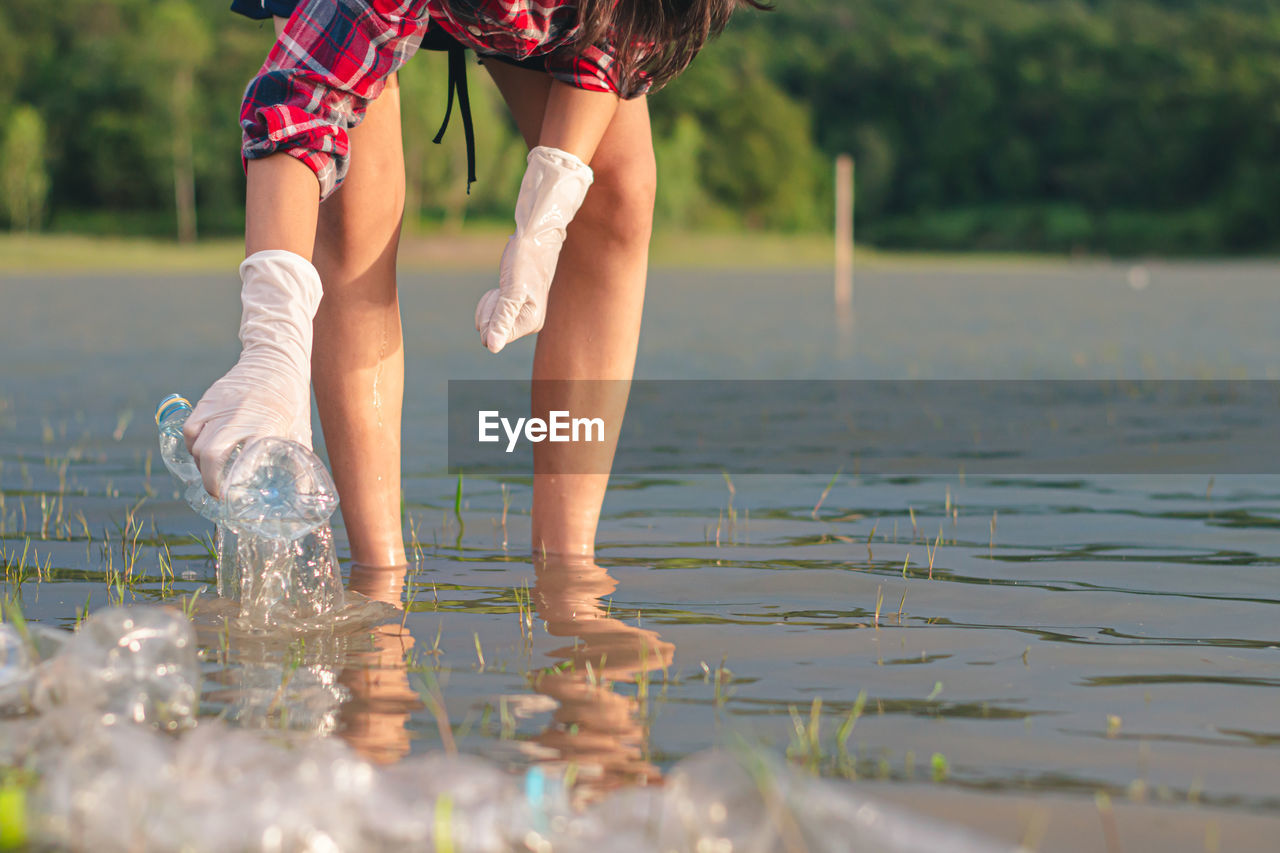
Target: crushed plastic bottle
(446, 802)
(273, 488)
(277, 581)
(135, 664)
(279, 697)
(276, 554)
(25, 654)
(277, 489)
(15, 668)
(171, 415)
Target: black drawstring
(458, 82)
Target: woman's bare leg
(593, 315)
(357, 364)
(358, 361)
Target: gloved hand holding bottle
(268, 391)
(554, 187)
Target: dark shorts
(435, 39)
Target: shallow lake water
(1082, 663)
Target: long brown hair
(656, 37)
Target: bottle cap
(171, 404)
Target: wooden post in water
(844, 242)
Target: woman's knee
(626, 178)
(359, 224)
(364, 213)
(352, 240)
(620, 203)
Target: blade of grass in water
(457, 512)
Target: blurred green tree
(22, 169)
(1106, 125)
(681, 199)
(757, 159)
(176, 45)
(877, 164)
(436, 175)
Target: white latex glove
(554, 185)
(268, 392)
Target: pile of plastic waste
(104, 724)
(102, 747)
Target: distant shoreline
(477, 249)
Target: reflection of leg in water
(600, 731)
(374, 720)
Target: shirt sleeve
(333, 59)
(595, 69)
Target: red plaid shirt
(335, 56)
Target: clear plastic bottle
(276, 553)
(277, 489)
(273, 488)
(171, 415)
